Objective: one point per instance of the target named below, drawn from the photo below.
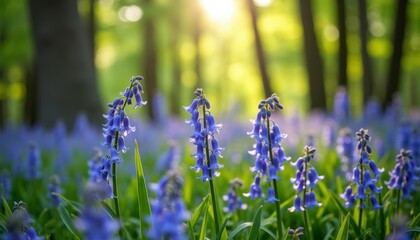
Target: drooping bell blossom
(168, 209)
(346, 151)
(404, 176)
(19, 224)
(116, 129)
(268, 152)
(295, 234)
(232, 198)
(306, 178)
(33, 162)
(363, 186)
(205, 128)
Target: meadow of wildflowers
(209, 177)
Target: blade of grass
(343, 232)
(238, 229)
(198, 211)
(343, 211)
(7, 211)
(65, 217)
(191, 230)
(204, 226)
(269, 232)
(256, 223)
(219, 235)
(142, 194)
(69, 202)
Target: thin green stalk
(361, 200)
(398, 201)
(212, 192)
(305, 213)
(276, 194)
(115, 190)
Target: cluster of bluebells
(94, 222)
(269, 155)
(341, 106)
(115, 129)
(233, 199)
(346, 151)
(365, 176)
(404, 176)
(205, 128)
(168, 210)
(5, 185)
(33, 162)
(54, 187)
(19, 224)
(305, 180)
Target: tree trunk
(313, 58)
(268, 90)
(367, 66)
(174, 103)
(342, 49)
(150, 61)
(394, 79)
(63, 62)
(31, 100)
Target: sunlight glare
(130, 13)
(219, 10)
(262, 3)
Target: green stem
(115, 189)
(305, 213)
(212, 192)
(276, 194)
(361, 200)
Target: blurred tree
(65, 72)
(174, 96)
(268, 90)
(197, 25)
(91, 27)
(394, 79)
(31, 100)
(314, 64)
(151, 58)
(342, 48)
(366, 61)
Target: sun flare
(219, 10)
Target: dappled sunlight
(220, 11)
(131, 13)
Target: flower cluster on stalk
(365, 176)
(205, 128)
(404, 176)
(19, 224)
(295, 234)
(268, 153)
(33, 162)
(115, 130)
(305, 180)
(233, 199)
(168, 209)
(346, 151)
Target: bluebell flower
(271, 197)
(205, 129)
(255, 190)
(400, 225)
(95, 165)
(233, 200)
(404, 176)
(19, 224)
(170, 159)
(168, 209)
(295, 234)
(33, 162)
(268, 152)
(341, 105)
(306, 178)
(346, 151)
(365, 175)
(297, 205)
(54, 187)
(5, 185)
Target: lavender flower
(205, 128)
(33, 162)
(168, 210)
(19, 224)
(268, 152)
(365, 176)
(305, 180)
(404, 176)
(233, 200)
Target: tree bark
(342, 48)
(367, 66)
(64, 65)
(265, 79)
(150, 61)
(394, 79)
(314, 65)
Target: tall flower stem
(361, 200)
(115, 189)
(276, 194)
(212, 192)
(305, 212)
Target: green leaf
(7, 211)
(343, 232)
(414, 229)
(198, 211)
(65, 217)
(255, 229)
(269, 232)
(142, 194)
(286, 235)
(340, 207)
(219, 234)
(415, 221)
(75, 206)
(204, 226)
(238, 229)
(191, 230)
